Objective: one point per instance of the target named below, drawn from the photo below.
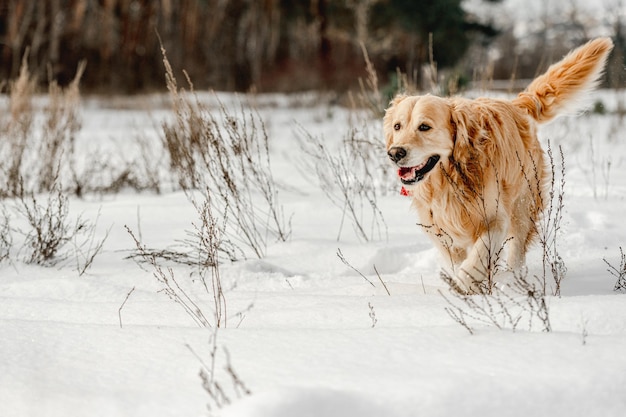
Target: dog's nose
(396, 154)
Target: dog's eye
(423, 127)
(397, 126)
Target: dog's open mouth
(411, 175)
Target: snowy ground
(306, 334)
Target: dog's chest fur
(449, 210)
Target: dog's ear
(397, 99)
(464, 128)
(388, 119)
(389, 110)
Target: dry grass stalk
(343, 259)
(619, 272)
(372, 314)
(211, 378)
(210, 236)
(349, 180)
(35, 155)
(17, 130)
(548, 227)
(208, 245)
(61, 125)
(228, 153)
(370, 96)
(503, 308)
(50, 229)
(85, 251)
(6, 238)
(171, 286)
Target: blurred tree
(449, 25)
(277, 45)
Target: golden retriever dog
(475, 168)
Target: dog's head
(420, 132)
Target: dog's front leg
(476, 272)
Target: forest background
(289, 45)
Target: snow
(306, 334)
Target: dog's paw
(470, 278)
(467, 282)
(461, 282)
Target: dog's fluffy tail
(563, 87)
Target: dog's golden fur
(475, 168)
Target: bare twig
(504, 308)
(619, 272)
(6, 239)
(119, 310)
(345, 262)
(228, 153)
(372, 314)
(381, 280)
(348, 177)
(84, 259)
(210, 382)
(171, 287)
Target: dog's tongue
(407, 173)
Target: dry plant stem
(171, 287)
(504, 308)
(372, 314)
(151, 164)
(210, 234)
(584, 333)
(39, 151)
(347, 180)
(619, 273)
(345, 262)
(17, 131)
(383, 282)
(370, 96)
(605, 168)
(49, 229)
(208, 375)
(228, 153)
(119, 311)
(240, 388)
(207, 241)
(86, 251)
(94, 248)
(60, 128)
(550, 225)
(6, 239)
(432, 66)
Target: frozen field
(307, 335)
